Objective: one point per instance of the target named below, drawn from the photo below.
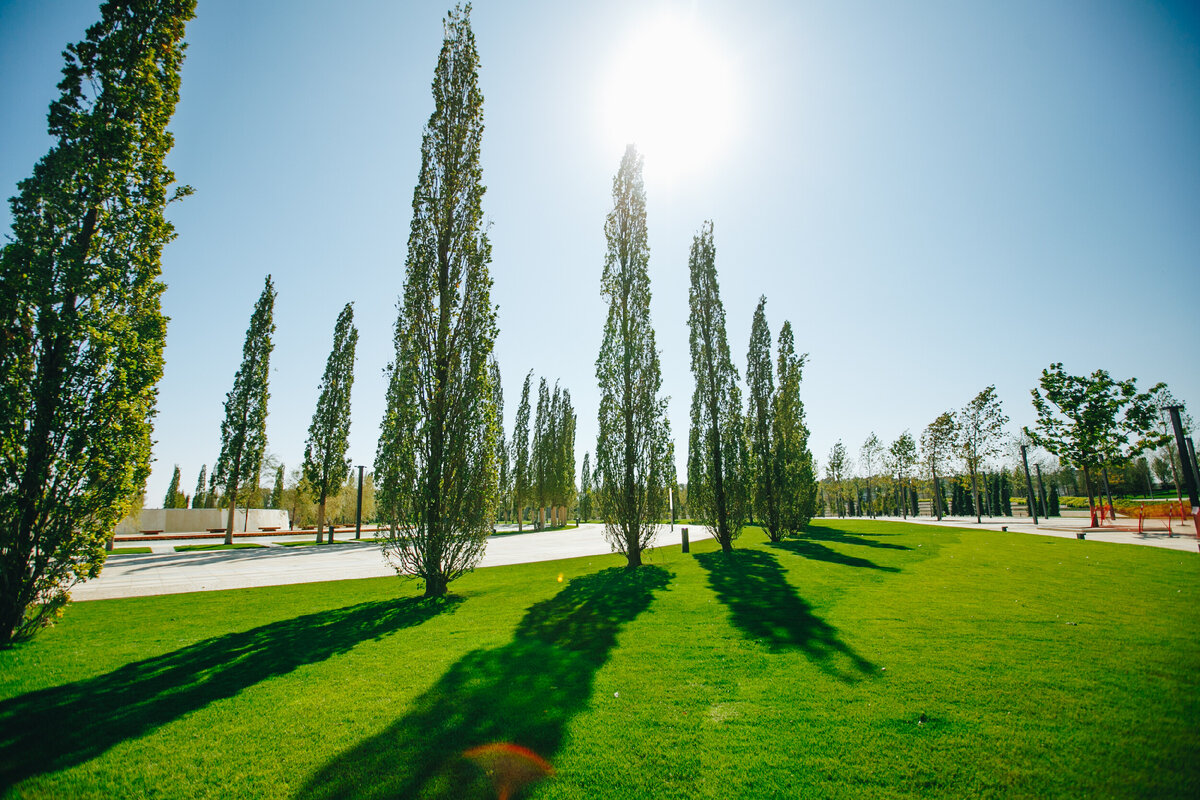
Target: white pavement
(167, 572)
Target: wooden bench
(150, 533)
(269, 530)
(216, 530)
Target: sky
(940, 196)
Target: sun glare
(669, 90)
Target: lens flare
(509, 766)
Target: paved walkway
(164, 571)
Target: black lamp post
(358, 511)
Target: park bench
(269, 530)
(150, 533)
(216, 530)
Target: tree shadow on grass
(523, 693)
(53, 729)
(819, 552)
(765, 607)
(827, 534)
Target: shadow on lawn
(828, 534)
(764, 606)
(523, 693)
(52, 729)
(818, 552)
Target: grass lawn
(192, 548)
(864, 660)
(129, 551)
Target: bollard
(685, 540)
(331, 534)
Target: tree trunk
(1087, 480)
(232, 511)
(1108, 491)
(321, 522)
(937, 493)
(975, 494)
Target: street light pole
(358, 511)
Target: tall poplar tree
(795, 480)
(438, 442)
(81, 324)
(836, 472)
(244, 429)
(503, 471)
(585, 488)
(760, 383)
(276, 500)
(541, 452)
(522, 468)
(200, 496)
(717, 480)
(325, 463)
(633, 442)
(564, 470)
(172, 498)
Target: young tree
(522, 464)
(244, 429)
(794, 483)
(902, 457)
(564, 455)
(200, 496)
(437, 453)
(1087, 421)
(540, 454)
(633, 442)
(325, 462)
(938, 443)
(760, 388)
(585, 489)
(836, 467)
(716, 474)
(869, 455)
(172, 498)
(81, 325)
(980, 436)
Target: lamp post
(358, 510)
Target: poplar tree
(325, 463)
(539, 455)
(836, 468)
(980, 433)
(564, 454)
(200, 496)
(633, 441)
(504, 473)
(870, 455)
(276, 500)
(794, 479)
(717, 480)
(902, 456)
(81, 324)
(244, 429)
(585, 488)
(760, 384)
(172, 498)
(938, 442)
(438, 443)
(521, 462)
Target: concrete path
(164, 571)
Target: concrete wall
(191, 520)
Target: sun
(670, 90)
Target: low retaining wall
(186, 520)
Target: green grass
(1043, 667)
(129, 551)
(191, 548)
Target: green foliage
(325, 462)
(244, 428)
(633, 447)
(760, 385)
(717, 470)
(837, 467)
(436, 460)
(792, 462)
(870, 456)
(504, 470)
(276, 499)
(1053, 502)
(81, 325)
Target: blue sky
(938, 195)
